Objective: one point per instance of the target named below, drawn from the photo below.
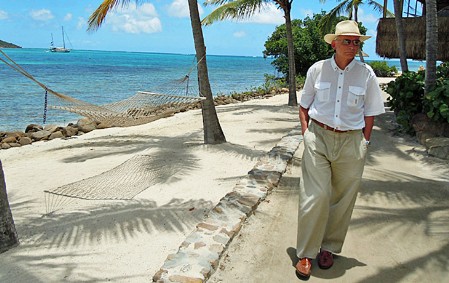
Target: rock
(56, 135)
(86, 125)
(25, 141)
(5, 145)
(41, 135)
(425, 127)
(32, 128)
(70, 131)
(9, 139)
(104, 125)
(52, 128)
(15, 144)
(438, 147)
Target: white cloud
(41, 15)
(82, 22)
(68, 17)
(367, 18)
(269, 14)
(180, 9)
(239, 34)
(3, 15)
(135, 19)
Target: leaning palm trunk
(292, 100)
(213, 134)
(8, 234)
(400, 33)
(431, 44)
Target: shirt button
(338, 100)
(336, 115)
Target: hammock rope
(141, 108)
(135, 175)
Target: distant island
(4, 44)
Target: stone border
(198, 256)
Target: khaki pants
(332, 168)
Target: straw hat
(345, 28)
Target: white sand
(128, 240)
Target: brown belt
(326, 127)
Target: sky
(161, 26)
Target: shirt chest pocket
(322, 90)
(356, 96)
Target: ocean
(102, 77)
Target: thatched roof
(415, 38)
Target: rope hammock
(138, 173)
(141, 108)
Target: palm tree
(431, 44)
(401, 34)
(241, 9)
(213, 134)
(8, 234)
(351, 9)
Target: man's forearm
(369, 123)
(303, 118)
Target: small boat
(62, 49)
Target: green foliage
(443, 70)
(308, 42)
(436, 102)
(406, 97)
(381, 69)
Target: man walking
(340, 98)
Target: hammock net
(141, 108)
(134, 175)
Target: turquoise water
(101, 77)
(413, 65)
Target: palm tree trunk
(356, 19)
(292, 99)
(400, 33)
(8, 233)
(431, 44)
(213, 134)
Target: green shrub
(436, 102)
(443, 70)
(381, 69)
(406, 98)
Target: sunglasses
(355, 42)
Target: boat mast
(63, 41)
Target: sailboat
(62, 49)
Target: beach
(124, 233)
(116, 240)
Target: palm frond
(327, 23)
(379, 8)
(239, 9)
(216, 2)
(99, 15)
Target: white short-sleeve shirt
(342, 98)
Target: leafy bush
(308, 44)
(406, 98)
(381, 69)
(436, 102)
(443, 70)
